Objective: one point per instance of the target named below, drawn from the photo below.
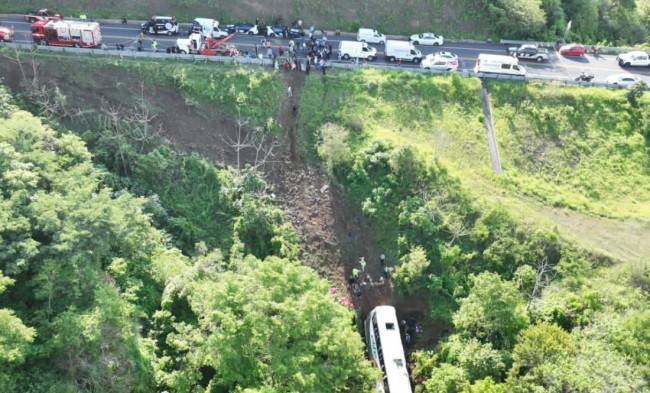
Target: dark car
(278, 29)
(241, 28)
(160, 25)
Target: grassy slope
(559, 146)
(461, 18)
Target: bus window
(385, 349)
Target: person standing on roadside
(154, 46)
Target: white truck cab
(207, 27)
(371, 36)
(192, 44)
(635, 58)
(498, 64)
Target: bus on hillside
(385, 348)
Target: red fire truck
(67, 33)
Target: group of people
(361, 279)
(409, 328)
(340, 299)
(154, 44)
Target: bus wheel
(77, 45)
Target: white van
(498, 64)
(370, 35)
(207, 27)
(356, 50)
(402, 50)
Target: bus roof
(391, 343)
(497, 58)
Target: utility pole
(566, 32)
(489, 129)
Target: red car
(572, 50)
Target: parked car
(435, 62)
(160, 25)
(278, 29)
(241, 28)
(622, 80)
(447, 55)
(634, 58)
(427, 39)
(529, 52)
(572, 50)
(266, 31)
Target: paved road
(558, 67)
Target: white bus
(385, 348)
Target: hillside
(517, 265)
(151, 268)
(569, 155)
(593, 21)
(530, 281)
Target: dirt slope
(334, 235)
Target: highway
(557, 67)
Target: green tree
(268, 325)
(478, 360)
(555, 20)
(81, 256)
(15, 337)
(517, 18)
(445, 379)
(411, 275)
(334, 149)
(486, 385)
(540, 343)
(494, 311)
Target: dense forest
(95, 298)
(132, 264)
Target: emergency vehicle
(67, 33)
(7, 34)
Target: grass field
(572, 157)
(461, 19)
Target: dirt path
(334, 234)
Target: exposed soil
(334, 234)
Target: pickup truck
(529, 52)
(635, 58)
(42, 14)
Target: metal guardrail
(610, 50)
(540, 44)
(134, 54)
